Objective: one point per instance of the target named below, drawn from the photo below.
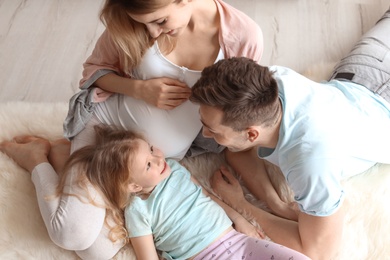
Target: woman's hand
(164, 93)
(227, 187)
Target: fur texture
(23, 234)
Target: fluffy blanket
(23, 234)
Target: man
(318, 134)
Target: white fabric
(71, 223)
(161, 127)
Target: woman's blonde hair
(132, 38)
(106, 166)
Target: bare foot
(27, 151)
(59, 154)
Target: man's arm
(316, 237)
(258, 181)
(241, 224)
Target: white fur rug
(23, 234)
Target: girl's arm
(144, 247)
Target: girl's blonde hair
(106, 166)
(132, 38)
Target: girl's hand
(227, 187)
(164, 93)
(243, 226)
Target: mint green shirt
(181, 218)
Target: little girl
(164, 209)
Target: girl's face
(149, 167)
(171, 19)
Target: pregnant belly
(172, 131)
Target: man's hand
(243, 226)
(228, 188)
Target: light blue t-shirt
(181, 218)
(329, 132)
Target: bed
(24, 236)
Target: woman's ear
(134, 188)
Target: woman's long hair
(132, 38)
(106, 166)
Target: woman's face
(171, 19)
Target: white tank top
(172, 131)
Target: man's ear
(134, 188)
(252, 134)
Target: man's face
(212, 128)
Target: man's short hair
(245, 91)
